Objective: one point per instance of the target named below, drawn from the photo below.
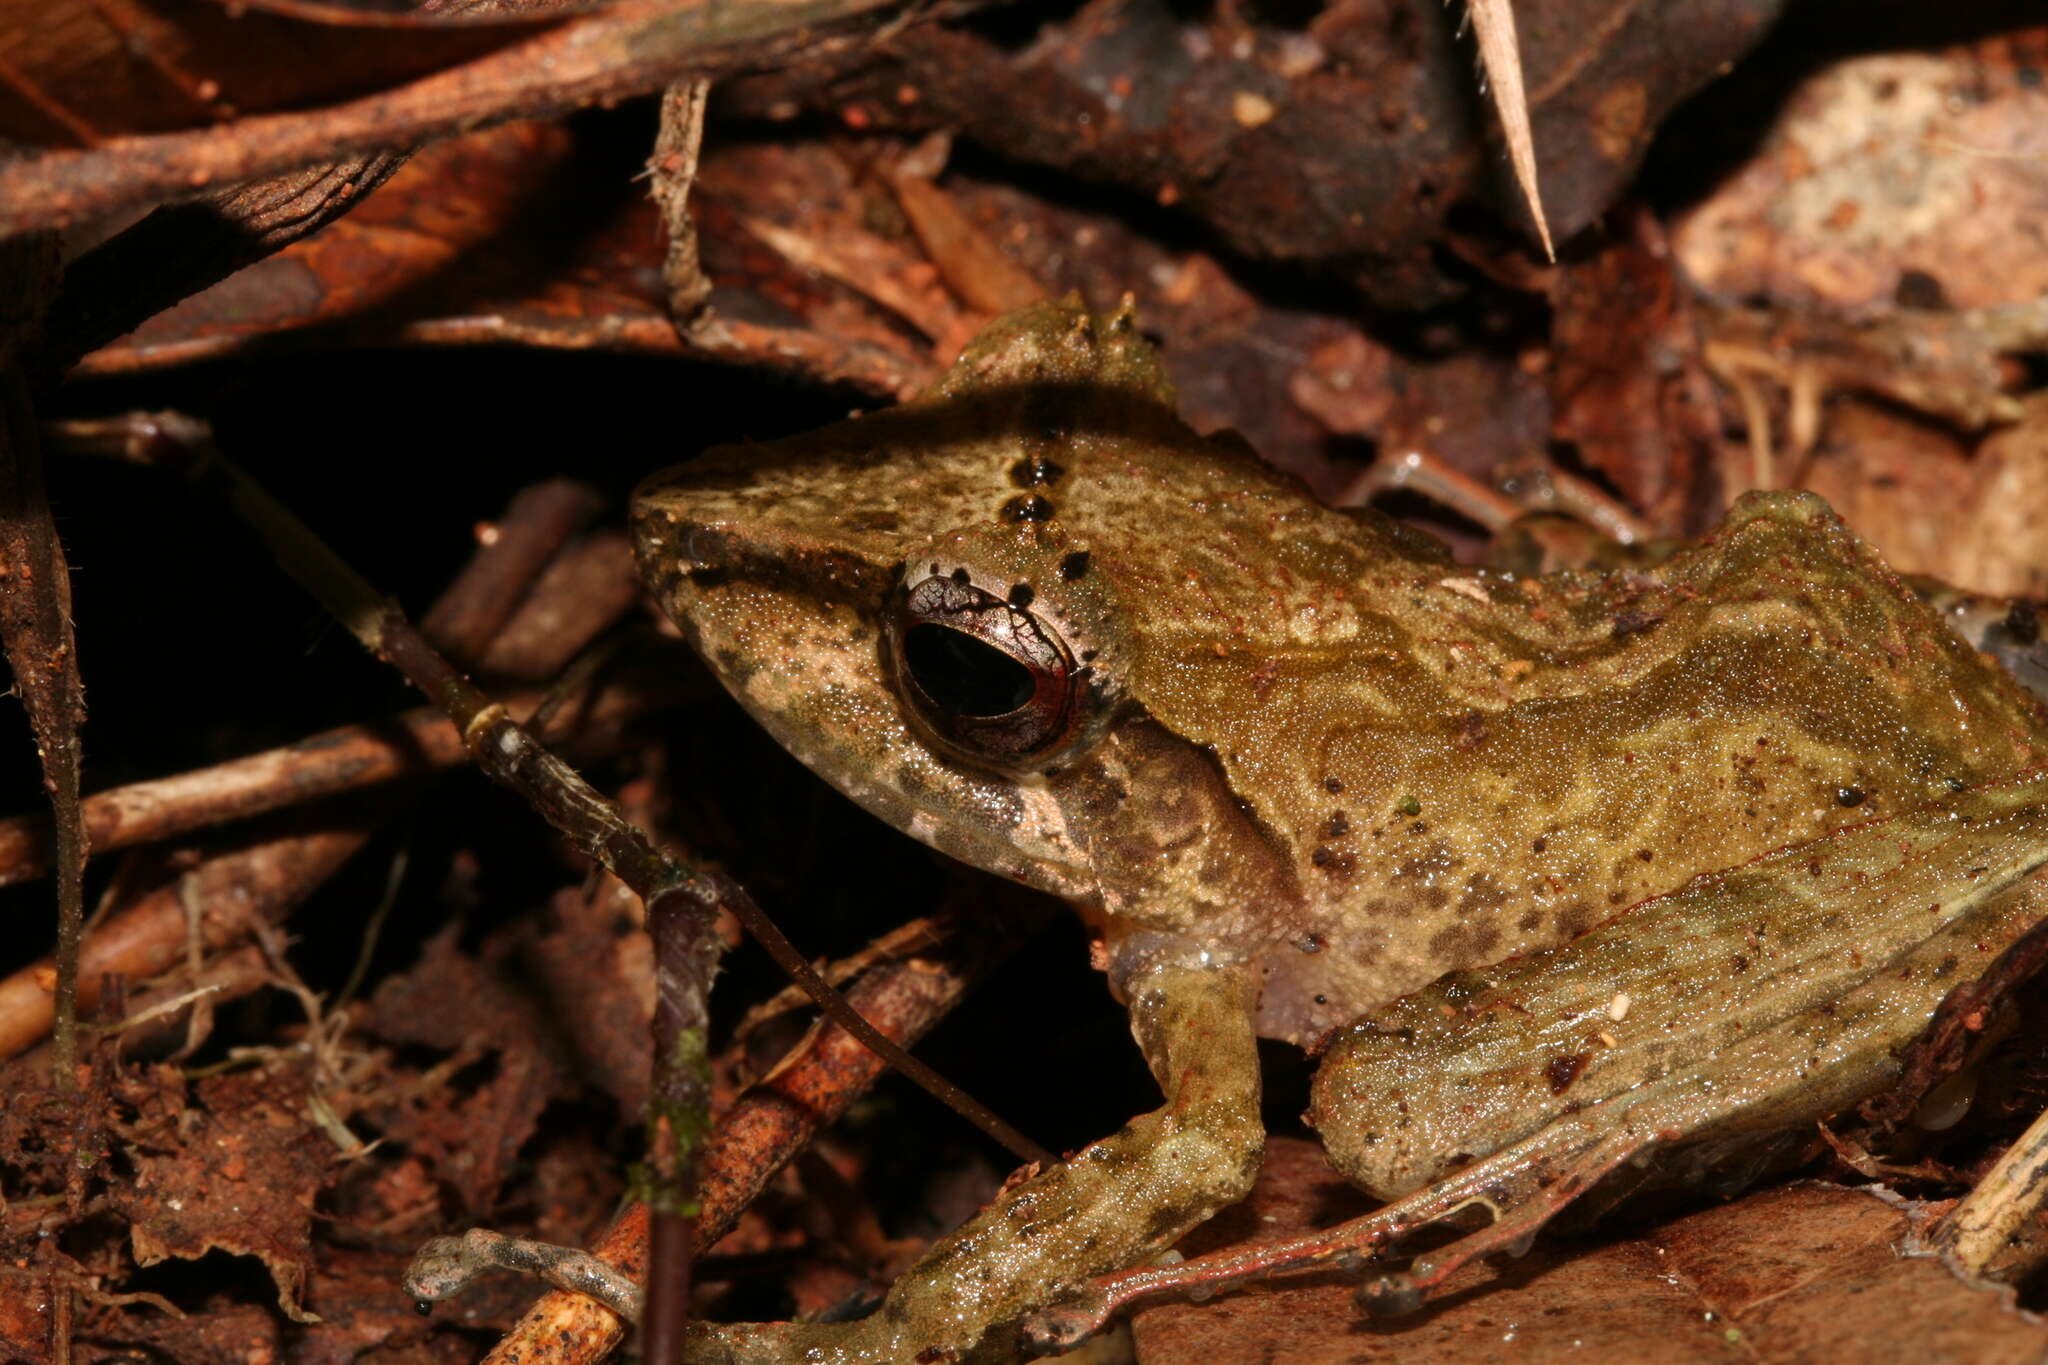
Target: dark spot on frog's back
(1334, 861)
(1483, 896)
(1463, 944)
(1562, 1071)
(1075, 566)
(1021, 596)
(1573, 920)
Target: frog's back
(1523, 758)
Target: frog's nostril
(962, 676)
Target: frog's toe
(1522, 1213)
(445, 1266)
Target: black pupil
(963, 676)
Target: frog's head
(1011, 617)
(895, 599)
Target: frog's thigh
(1109, 1205)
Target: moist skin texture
(1305, 765)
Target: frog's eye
(987, 680)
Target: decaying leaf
(1920, 177)
(236, 1172)
(471, 1133)
(1935, 506)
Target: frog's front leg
(1107, 1206)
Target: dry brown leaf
(238, 1174)
(24, 1317)
(1921, 176)
(1913, 489)
(476, 1007)
(224, 1331)
(1627, 384)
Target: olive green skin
(1315, 764)
(1320, 744)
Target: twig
(628, 49)
(351, 758)
(1493, 27)
(919, 935)
(775, 1119)
(510, 559)
(677, 149)
(680, 900)
(764, 931)
(686, 951)
(582, 593)
(141, 940)
(148, 1029)
(35, 622)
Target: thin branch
(264, 880)
(35, 617)
(775, 1119)
(630, 49)
(514, 552)
(680, 900)
(764, 931)
(332, 763)
(673, 170)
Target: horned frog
(1294, 765)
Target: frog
(1521, 856)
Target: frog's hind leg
(1818, 1062)
(1110, 1205)
(1523, 1188)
